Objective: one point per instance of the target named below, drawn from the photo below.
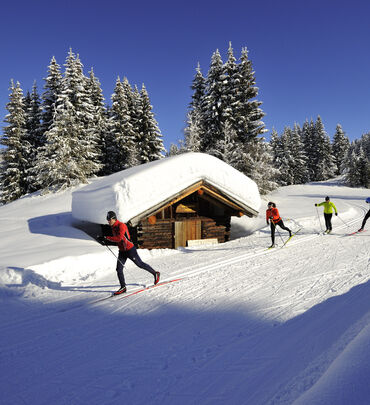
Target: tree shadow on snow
(60, 225)
(150, 349)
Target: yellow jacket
(328, 207)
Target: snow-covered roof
(132, 192)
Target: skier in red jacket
(273, 216)
(127, 250)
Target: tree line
(304, 154)
(68, 134)
(225, 119)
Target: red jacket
(273, 214)
(121, 236)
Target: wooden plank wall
(162, 234)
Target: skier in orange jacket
(273, 217)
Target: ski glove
(102, 240)
(336, 214)
(315, 205)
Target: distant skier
(328, 213)
(273, 217)
(127, 250)
(366, 216)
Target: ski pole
(277, 231)
(114, 254)
(319, 219)
(342, 221)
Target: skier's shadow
(27, 277)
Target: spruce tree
(71, 140)
(325, 167)
(295, 148)
(340, 148)
(100, 121)
(213, 106)
(194, 131)
(309, 142)
(52, 90)
(151, 144)
(17, 149)
(35, 137)
(122, 149)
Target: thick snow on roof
(134, 191)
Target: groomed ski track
(238, 323)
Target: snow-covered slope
(133, 191)
(243, 325)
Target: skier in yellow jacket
(328, 212)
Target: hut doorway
(189, 229)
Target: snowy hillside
(243, 325)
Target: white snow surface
(131, 192)
(243, 325)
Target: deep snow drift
(244, 325)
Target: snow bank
(133, 191)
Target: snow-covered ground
(244, 325)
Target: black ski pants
(365, 219)
(328, 221)
(273, 227)
(132, 255)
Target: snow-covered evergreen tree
(227, 148)
(298, 156)
(194, 130)
(259, 165)
(248, 111)
(340, 148)
(34, 135)
(14, 157)
(358, 172)
(52, 90)
(325, 166)
(71, 141)
(309, 142)
(62, 161)
(122, 149)
(213, 106)
(151, 144)
(100, 120)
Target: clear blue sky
(310, 57)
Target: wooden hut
(179, 201)
(201, 212)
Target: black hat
(327, 198)
(271, 203)
(111, 215)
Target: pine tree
(53, 88)
(227, 148)
(194, 131)
(71, 140)
(357, 172)
(35, 137)
(309, 142)
(248, 112)
(151, 144)
(298, 156)
(62, 162)
(340, 148)
(325, 167)
(122, 149)
(213, 107)
(14, 164)
(100, 120)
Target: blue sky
(310, 57)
